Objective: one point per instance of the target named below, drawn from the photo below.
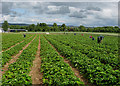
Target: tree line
(43, 27)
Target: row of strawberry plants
(92, 51)
(18, 72)
(110, 59)
(72, 41)
(96, 72)
(107, 46)
(7, 55)
(109, 42)
(11, 39)
(55, 70)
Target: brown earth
(76, 71)
(35, 73)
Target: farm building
(1, 30)
(17, 30)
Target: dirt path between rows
(14, 58)
(76, 71)
(16, 44)
(35, 73)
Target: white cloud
(6, 17)
(59, 10)
(60, 0)
(53, 8)
(43, 12)
(74, 9)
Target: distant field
(113, 34)
(65, 59)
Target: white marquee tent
(1, 30)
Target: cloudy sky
(71, 13)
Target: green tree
(63, 27)
(31, 27)
(89, 29)
(5, 26)
(37, 27)
(82, 28)
(55, 27)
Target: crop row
(7, 55)
(55, 70)
(91, 51)
(11, 39)
(18, 72)
(96, 72)
(110, 44)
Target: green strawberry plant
(89, 63)
(55, 70)
(18, 72)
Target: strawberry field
(65, 59)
